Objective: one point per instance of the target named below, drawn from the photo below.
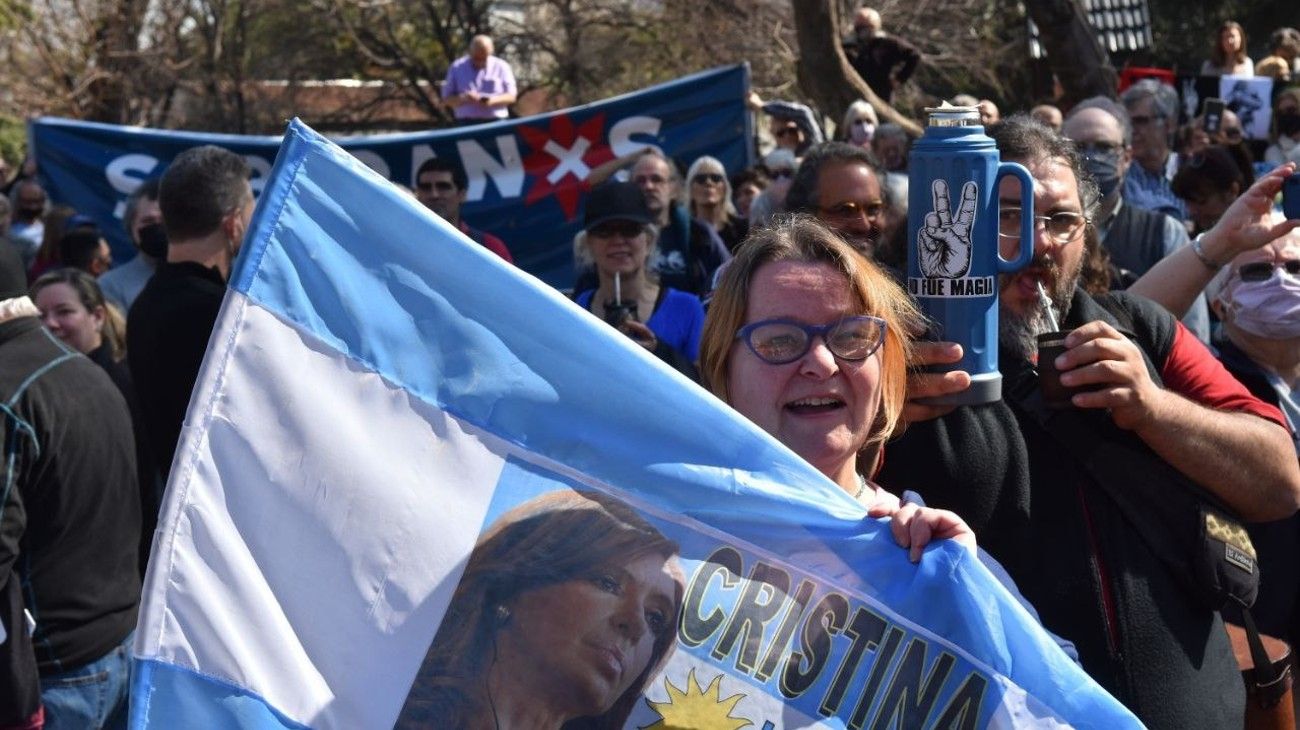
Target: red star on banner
(561, 157)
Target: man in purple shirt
(479, 86)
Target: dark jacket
(1135, 239)
(1034, 505)
(167, 335)
(150, 482)
(1277, 608)
(689, 253)
(71, 513)
(880, 60)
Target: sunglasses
(851, 210)
(782, 174)
(441, 186)
(781, 341)
(788, 132)
(623, 229)
(1263, 270)
(651, 179)
(1141, 120)
(1062, 227)
(707, 178)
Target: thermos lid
(947, 115)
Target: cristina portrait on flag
(567, 608)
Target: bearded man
(1153, 414)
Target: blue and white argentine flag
(381, 395)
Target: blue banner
(405, 462)
(527, 177)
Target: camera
(1291, 197)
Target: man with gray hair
(1135, 238)
(207, 205)
(1153, 114)
(479, 86)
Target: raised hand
(1248, 223)
(944, 245)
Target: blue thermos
(953, 260)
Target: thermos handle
(1026, 216)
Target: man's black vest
(1074, 555)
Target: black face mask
(153, 240)
(1288, 123)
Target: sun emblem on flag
(560, 158)
(693, 708)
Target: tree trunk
(823, 70)
(1073, 52)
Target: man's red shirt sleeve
(1192, 371)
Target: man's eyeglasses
(781, 341)
(1233, 133)
(782, 174)
(1263, 270)
(623, 229)
(441, 186)
(1142, 120)
(853, 210)
(1062, 227)
(707, 178)
(788, 132)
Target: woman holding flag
(808, 340)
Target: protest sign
(526, 176)
(407, 466)
(1249, 97)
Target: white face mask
(862, 131)
(1268, 308)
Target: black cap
(13, 277)
(616, 201)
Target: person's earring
(502, 614)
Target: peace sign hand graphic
(944, 246)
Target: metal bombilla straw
(1048, 309)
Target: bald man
(884, 61)
(479, 86)
(1049, 115)
(1136, 238)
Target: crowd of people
(777, 288)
